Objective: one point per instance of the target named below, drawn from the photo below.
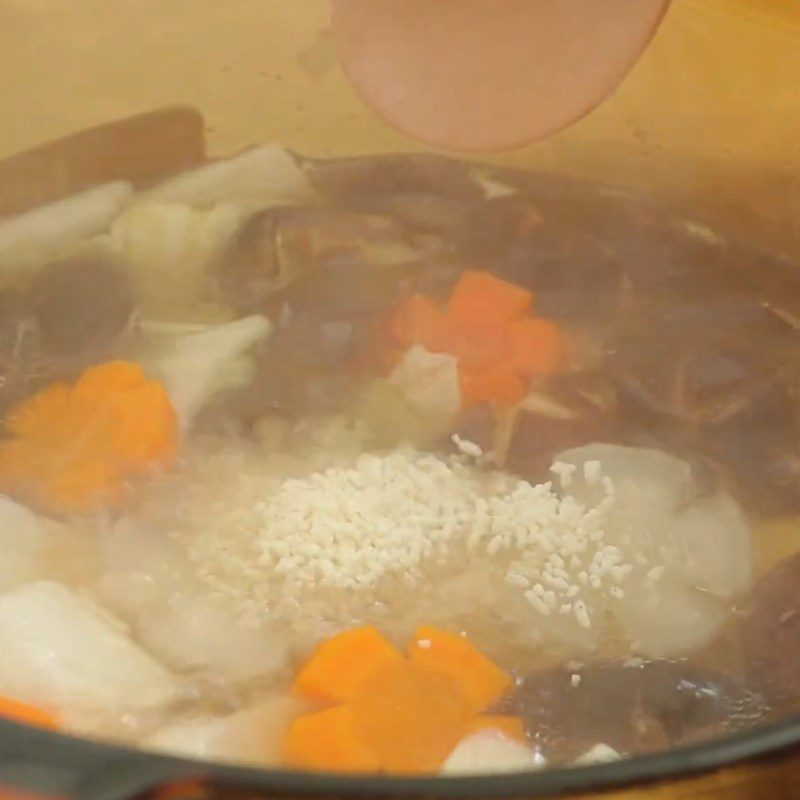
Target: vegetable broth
(479, 432)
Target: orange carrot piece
(511, 727)
(411, 717)
(28, 714)
(340, 666)
(479, 678)
(482, 296)
(478, 343)
(76, 446)
(499, 385)
(419, 320)
(538, 347)
(326, 741)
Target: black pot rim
(106, 772)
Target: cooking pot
(708, 124)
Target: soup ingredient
(489, 752)
(429, 382)
(81, 306)
(253, 735)
(28, 714)
(262, 176)
(389, 538)
(397, 715)
(771, 635)
(62, 651)
(487, 325)
(332, 263)
(23, 542)
(632, 707)
(74, 447)
(698, 549)
(599, 754)
(168, 249)
(148, 581)
(47, 234)
(198, 366)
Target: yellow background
(712, 111)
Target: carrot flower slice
(488, 325)
(74, 447)
(397, 715)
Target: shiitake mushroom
(81, 306)
(634, 707)
(770, 634)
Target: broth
(459, 469)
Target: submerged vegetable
(489, 327)
(28, 714)
(74, 447)
(198, 365)
(397, 714)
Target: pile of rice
(315, 544)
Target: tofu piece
(60, 650)
(252, 736)
(489, 751)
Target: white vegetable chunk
(32, 239)
(429, 382)
(149, 583)
(252, 736)
(198, 366)
(599, 754)
(716, 539)
(685, 553)
(670, 618)
(487, 752)
(263, 176)
(23, 543)
(58, 649)
(169, 249)
(662, 481)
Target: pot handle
(38, 765)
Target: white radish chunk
(669, 618)
(716, 539)
(151, 585)
(33, 239)
(662, 481)
(197, 367)
(263, 176)
(252, 736)
(487, 752)
(429, 382)
(58, 649)
(23, 543)
(599, 754)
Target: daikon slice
(489, 751)
(716, 539)
(262, 176)
(669, 618)
(23, 543)
(58, 649)
(252, 736)
(32, 239)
